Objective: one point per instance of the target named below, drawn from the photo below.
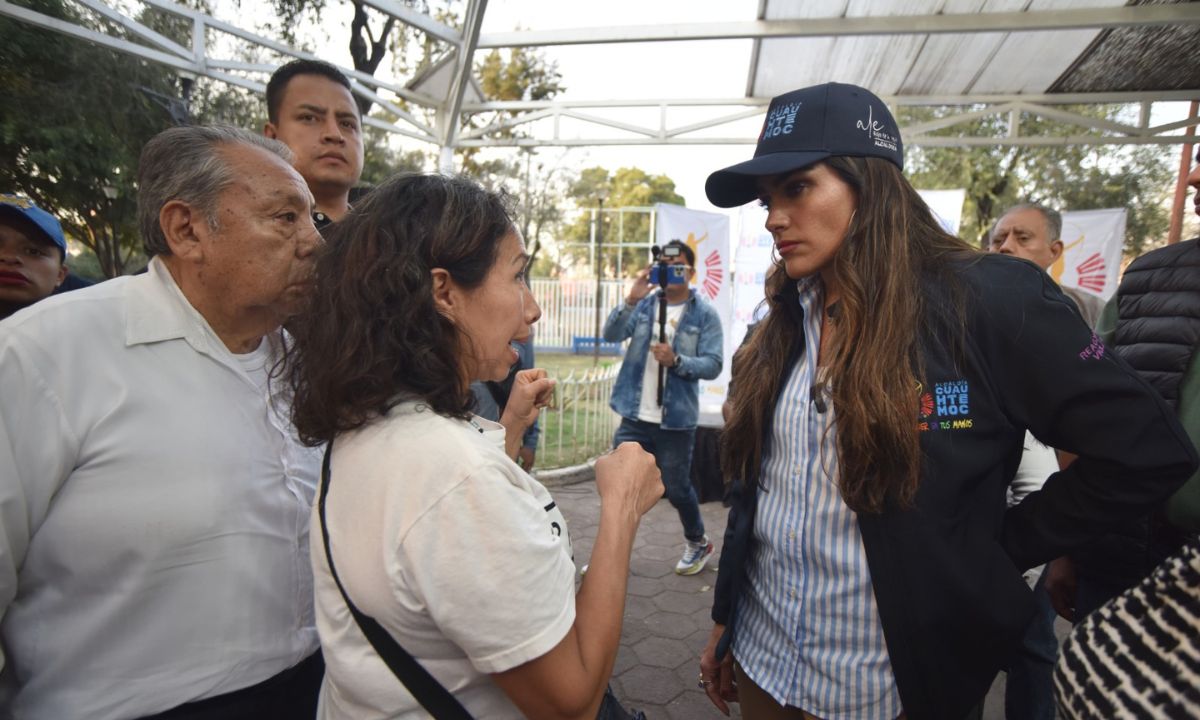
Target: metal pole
(1185, 165)
(599, 278)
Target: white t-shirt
(649, 410)
(257, 363)
(458, 553)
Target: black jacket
(1158, 304)
(947, 571)
(1157, 332)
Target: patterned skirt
(1139, 655)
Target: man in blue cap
(33, 253)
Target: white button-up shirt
(153, 508)
(808, 629)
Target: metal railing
(569, 310)
(579, 424)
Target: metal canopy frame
(444, 125)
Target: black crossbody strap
(435, 698)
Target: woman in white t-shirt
(434, 530)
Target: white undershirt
(649, 410)
(257, 364)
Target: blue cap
(45, 222)
(804, 127)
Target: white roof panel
(920, 64)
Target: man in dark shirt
(310, 109)
(1153, 323)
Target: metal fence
(579, 424)
(569, 310)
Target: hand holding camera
(639, 287)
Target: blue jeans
(672, 450)
(1029, 691)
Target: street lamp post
(108, 228)
(599, 274)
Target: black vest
(1158, 305)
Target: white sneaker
(695, 555)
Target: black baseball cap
(806, 126)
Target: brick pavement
(667, 616)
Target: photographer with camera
(676, 342)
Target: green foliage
(518, 74)
(525, 74)
(536, 187)
(292, 14)
(1066, 177)
(73, 122)
(86, 265)
(381, 160)
(626, 188)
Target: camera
(663, 273)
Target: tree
(520, 74)
(1066, 177)
(381, 160)
(524, 74)
(73, 122)
(411, 49)
(537, 188)
(77, 115)
(626, 188)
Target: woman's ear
(444, 297)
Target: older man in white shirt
(153, 500)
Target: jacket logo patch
(1094, 350)
(948, 407)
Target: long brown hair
(372, 335)
(893, 248)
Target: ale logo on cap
(780, 121)
(875, 131)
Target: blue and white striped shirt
(807, 628)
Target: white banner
(754, 245)
(947, 207)
(751, 263)
(1092, 244)
(707, 234)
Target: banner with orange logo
(1092, 244)
(707, 234)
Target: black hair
(373, 335)
(688, 252)
(278, 83)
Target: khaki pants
(757, 704)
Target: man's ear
(184, 227)
(270, 131)
(445, 297)
(62, 274)
(1056, 249)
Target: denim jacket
(699, 344)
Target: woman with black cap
(870, 568)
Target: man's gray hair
(1052, 217)
(186, 163)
